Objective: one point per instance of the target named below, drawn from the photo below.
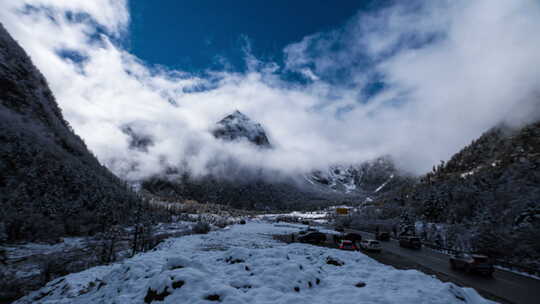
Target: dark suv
(410, 242)
(382, 236)
(308, 230)
(313, 238)
(472, 263)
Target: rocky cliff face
(237, 126)
(50, 184)
(370, 178)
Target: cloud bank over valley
(416, 82)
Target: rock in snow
(183, 270)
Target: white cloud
(452, 69)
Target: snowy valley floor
(243, 264)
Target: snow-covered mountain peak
(239, 115)
(238, 126)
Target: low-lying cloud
(416, 82)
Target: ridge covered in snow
(370, 178)
(243, 264)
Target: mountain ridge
(51, 185)
(257, 188)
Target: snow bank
(244, 264)
(25, 250)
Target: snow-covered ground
(23, 251)
(316, 218)
(298, 214)
(532, 276)
(243, 264)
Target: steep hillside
(491, 189)
(50, 184)
(497, 171)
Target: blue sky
(198, 35)
(331, 83)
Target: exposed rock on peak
(238, 126)
(138, 140)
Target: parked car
(410, 242)
(382, 236)
(314, 237)
(472, 263)
(347, 245)
(308, 230)
(337, 238)
(370, 245)
(355, 237)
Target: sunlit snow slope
(244, 264)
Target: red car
(347, 245)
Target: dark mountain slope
(500, 171)
(50, 184)
(491, 189)
(257, 193)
